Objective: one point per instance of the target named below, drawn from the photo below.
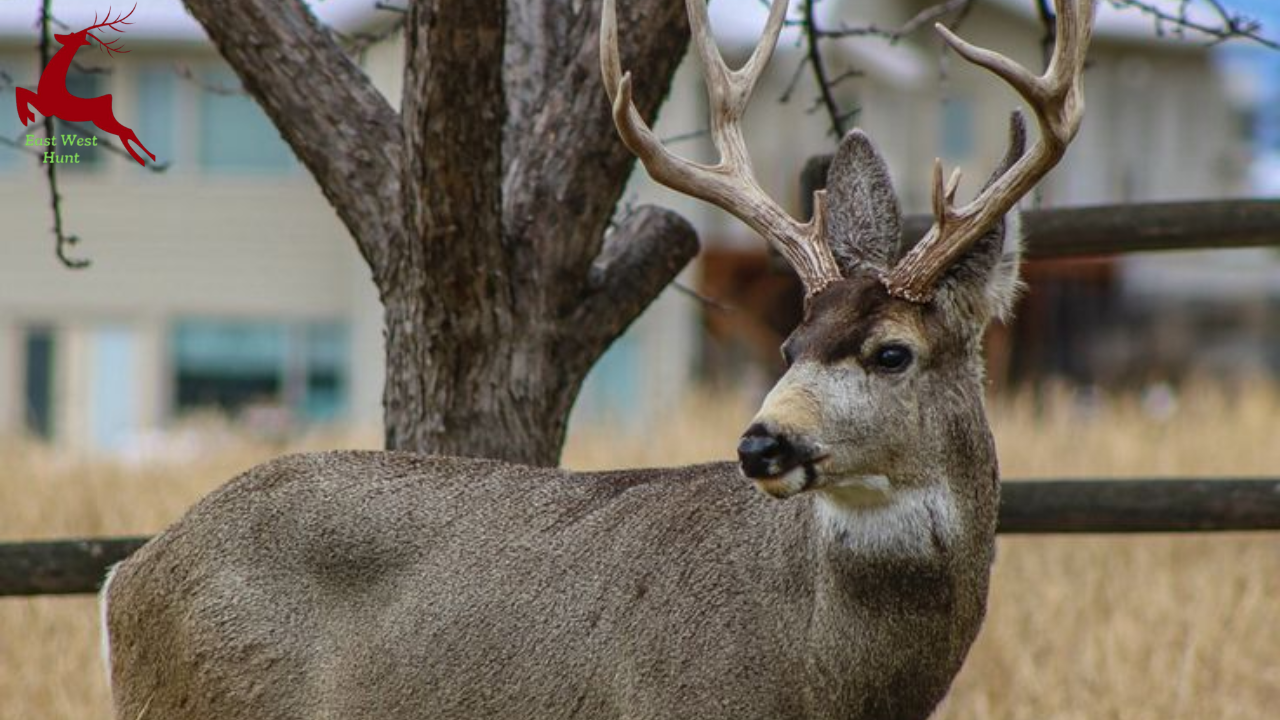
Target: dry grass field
(1138, 628)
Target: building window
(38, 378)
(83, 85)
(10, 127)
(235, 134)
(325, 365)
(611, 392)
(232, 365)
(227, 365)
(956, 142)
(156, 113)
(114, 392)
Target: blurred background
(228, 317)
(226, 283)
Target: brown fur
(385, 585)
(392, 586)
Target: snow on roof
(739, 22)
(165, 20)
(1130, 23)
(736, 22)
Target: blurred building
(227, 281)
(1161, 126)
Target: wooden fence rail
(65, 567)
(1116, 229)
(1059, 506)
(1130, 506)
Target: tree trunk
(493, 393)
(482, 206)
(492, 379)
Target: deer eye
(893, 357)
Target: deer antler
(1057, 97)
(120, 20)
(730, 184)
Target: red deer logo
(52, 99)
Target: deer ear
(988, 273)
(863, 220)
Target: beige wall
(1158, 125)
(184, 243)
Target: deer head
(884, 381)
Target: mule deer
(391, 585)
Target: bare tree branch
(184, 72)
(642, 255)
(62, 241)
(704, 300)
(358, 43)
(814, 34)
(819, 68)
(791, 85)
(923, 19)
(18, 144)
(1048, 20)
(333, 118)
(561, 188)
(1233, 26)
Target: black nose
(763, 453)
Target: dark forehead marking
(838, 320)
(848, 301)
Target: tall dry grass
(1136, 628)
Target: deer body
(446, 599)
(398, 587)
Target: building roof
(162, 20)
(735, 22)
(1129, 23)
(739, 23)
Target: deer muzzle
(778, 465)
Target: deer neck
(898, 572)
(870, 516)
(942, 501)
(54, 76)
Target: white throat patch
(869, 516)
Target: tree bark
(482, 207)
(324, 106)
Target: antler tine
(1057, 97)
(121, 20)
(730, 184)
(731, 89)
(109, 23)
